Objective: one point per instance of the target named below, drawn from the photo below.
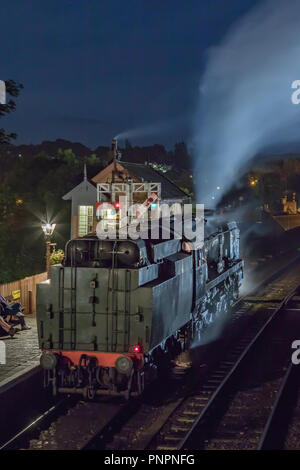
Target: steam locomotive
(116, 311)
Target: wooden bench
(15, 296)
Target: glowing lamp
(117, 205)
(48, 229)
(137, 348)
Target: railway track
(291, 432)
(115, 425)
(72, 424)
(245, 398)
(40, 422)
(283, 423)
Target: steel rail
(276, 428)
(22, 435)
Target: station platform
(22, 352)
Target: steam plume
(157, 128)
(245, 96)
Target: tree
(93, 160)
(12, 89)
(69, 157)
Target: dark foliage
(13, 90)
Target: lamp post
(48, 230)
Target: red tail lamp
(137, 348)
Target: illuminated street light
(48, 230)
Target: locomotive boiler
(116, 311)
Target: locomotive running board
(211, 284)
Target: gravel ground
(245, 419)
(73, 430)
(293, 437)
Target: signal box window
(85, 219)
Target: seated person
(15, 310)
(10, 330)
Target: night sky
(94, 68)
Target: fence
(27, 289)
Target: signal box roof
(140, 173)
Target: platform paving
(22, 351)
